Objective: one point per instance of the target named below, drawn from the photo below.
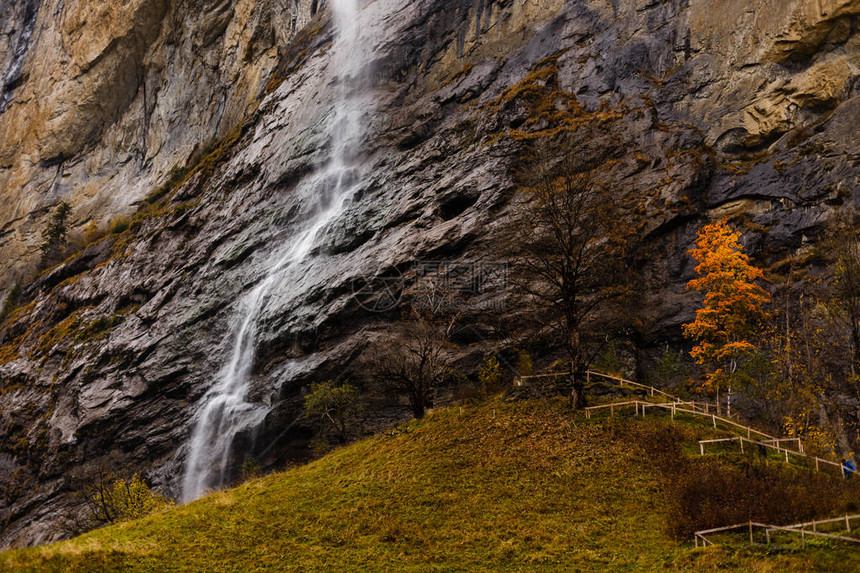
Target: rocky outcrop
(693, 110)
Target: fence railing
(677, 405)
(778, 441)
(764, 444)
(675, 408)
(706, 407)
(769, 529)
(816, 522)
(624, 382)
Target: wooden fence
(783, 451)
(706, 407)
(703, 409)
(679, 408)
(769, 529)
(816, 522)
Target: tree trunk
(729, 402)
(418, 411)
(577, 372)
(855, 342)
(577, 393)
(418, 405)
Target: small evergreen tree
(733, 306)
(54, 237)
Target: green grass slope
(498, 487)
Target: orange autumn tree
(733, 306)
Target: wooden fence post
(847, 524)
(701, 448)
(814, 528)
(714, 419)
(786, 455)
(742, 445)
(612, 410)
(767, 534)
(751, 535)
(816, 464)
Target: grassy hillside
(499, 487)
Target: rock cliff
(201, 119)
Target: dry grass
(498, 487)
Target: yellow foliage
(124, 499)
(490, 373)
(733, 304)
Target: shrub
(705, 492)
(111, 499)
(490, 374)
(525, 365)
(91, 234)
(119, 225)
(337, 407)
(251, 469)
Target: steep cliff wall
(99, 103)
(697, 108)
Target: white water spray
(225, 413)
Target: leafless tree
(569, 247)
(844, 246)
(415, 364)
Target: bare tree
(844, 244)
(414, 365)
(569, 247)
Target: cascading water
(225, 412)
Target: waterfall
(224, 412)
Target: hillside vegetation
(496, 487)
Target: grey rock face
(108, 361)
(18, 23)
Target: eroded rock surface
(698, 108)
